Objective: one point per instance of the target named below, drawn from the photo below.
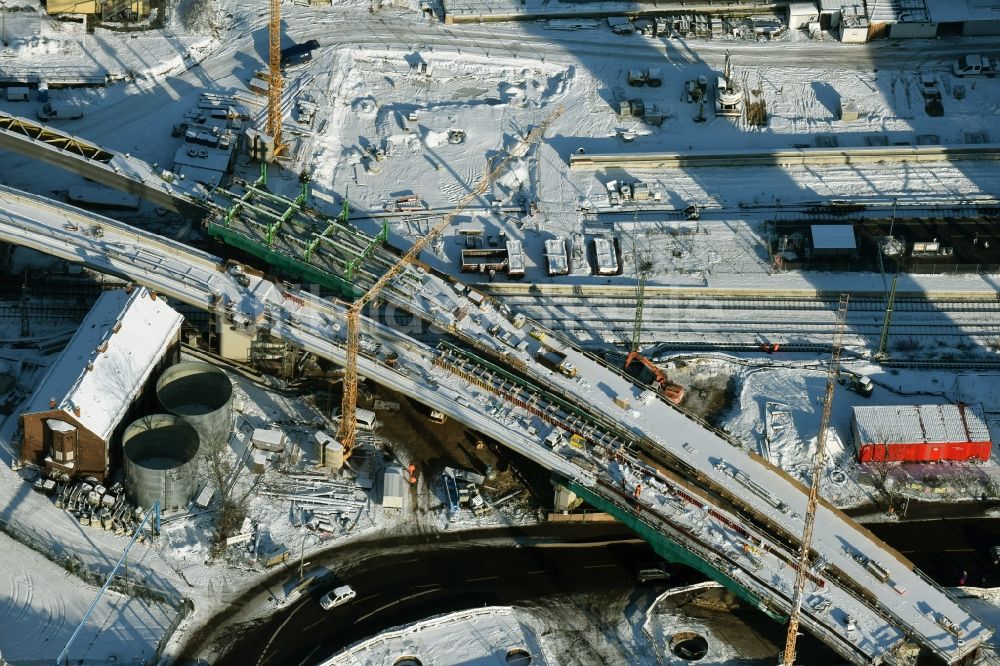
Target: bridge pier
(234, 342)
(565, 499)
(6, 251)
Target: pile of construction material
(94, 505)
(319, 502)
(462, 489)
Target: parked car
(972, 65)
(655, 571)
(337, 597)
(52, 111)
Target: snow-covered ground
(41, 605)
(480, 637)
(182, 560)
(777, 414)
(493, 84)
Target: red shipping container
(921, 433)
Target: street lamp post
(3, 4)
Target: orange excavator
(671, 390)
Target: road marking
(536, 571)
(476, 580)
(277, 631)
(319, 621)
(420, 587)
(308, 656)
(393, 603)
(600, 566)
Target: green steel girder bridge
(297, 239)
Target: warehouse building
(921, 433)
(96, 385)
(927, 19)
(108, 10)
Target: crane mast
(818, 459)
(274, 83)
(347, 431)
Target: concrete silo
(201, 394)
(161, 461)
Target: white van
(51, 111)
(337, 596)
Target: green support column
(673, 551)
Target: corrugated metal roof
(949, 11)
(921, 424)
(898, 11)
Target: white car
(336, 597)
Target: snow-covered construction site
(499, 333)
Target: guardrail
(785, 157)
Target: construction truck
(860, 384)
(556, 362)
(672, 391)
(652, 77)
(728, 93)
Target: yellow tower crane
(348, 409)
(274, 83)
(788, 658)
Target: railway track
(916, 322)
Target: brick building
(96, 386)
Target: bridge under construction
(687, 488)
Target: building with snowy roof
(95, 386)
(833, 240)
(921, 433)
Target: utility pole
(25, 324)
(302, 555)
(817, 473)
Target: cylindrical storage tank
(161, 461)
(202, 395)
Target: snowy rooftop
(921, 423)
(479, 637)
(945, 11)
(833, 237)
(108, 359)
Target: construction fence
(128, 586)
